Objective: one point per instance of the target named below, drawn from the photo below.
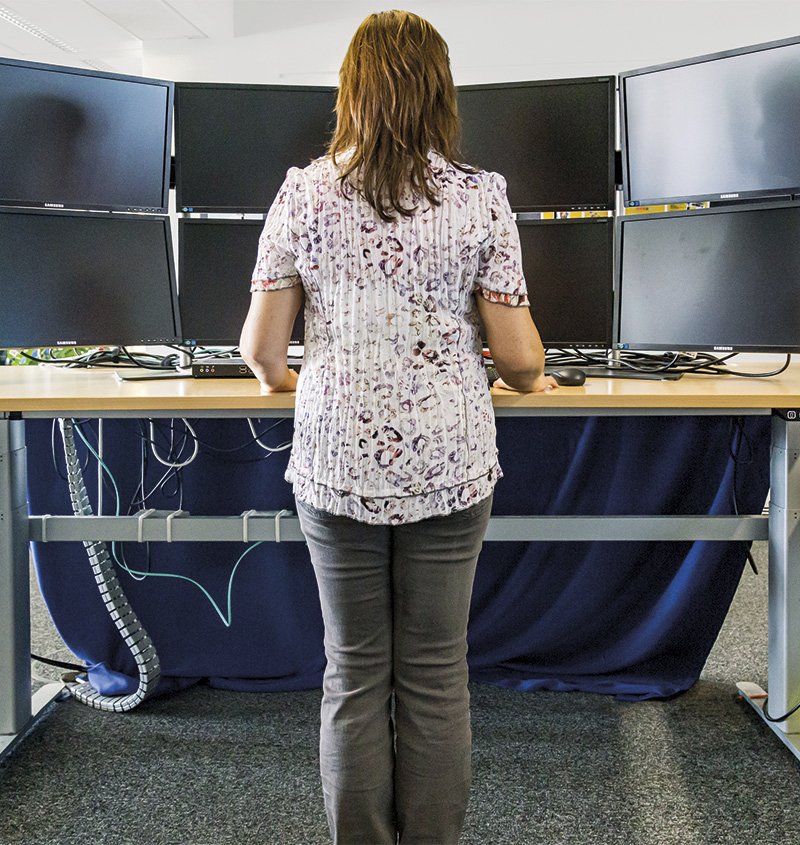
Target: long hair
(396, 103)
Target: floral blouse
(394, 421)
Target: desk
(49, 392)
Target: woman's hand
(288, 385)
(543, 384)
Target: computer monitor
(215, 264)
(553, 140)
(74, 138)
(717, 127)
(569, 269)
(234, 143)
(83, 279)
(718, 279)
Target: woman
(397, 249)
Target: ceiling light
(32, 29)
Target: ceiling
(107, 34)
(303, 41)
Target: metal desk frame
(19, 711)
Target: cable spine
(130, 628)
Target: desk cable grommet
(170, 517)
(140, 523)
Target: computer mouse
(568, 376)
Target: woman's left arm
(266, 334)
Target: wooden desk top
(50, 389)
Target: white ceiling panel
(89, 38)
(9, 52)
(148, 20)
(214, 17)
(72, 21)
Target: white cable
(161, 460)
(281, 448)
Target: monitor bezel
(131, 340)
(194, 342)
(608, 222)
(722, 349)
(633, 202)
(609, 80)
(55, 203)
(225, 86)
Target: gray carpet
(207, 767)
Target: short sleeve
(275, 264)
(499, 275)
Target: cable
(120, 561)
(282, 448)
(174, 465)
(56, 467)
(727, 372)
(125, 620)
(208, 449)
(226, 620)
(58, 663)
(738, 435)
(139, 360)
(701, 363)
(778, 718)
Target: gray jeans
(395, 739)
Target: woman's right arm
(515, 346)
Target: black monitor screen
(569, 269)
(552, 141)
(234, 144)
(720, 279)
(715, 127)
(81, 279)
(215, 265)
(82, 139)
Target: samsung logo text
(728, 196)
(723, 349)
(54, 205)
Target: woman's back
(393, 419)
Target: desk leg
(784, 587)
(15, 627)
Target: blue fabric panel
(632, 619)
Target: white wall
(303, 42)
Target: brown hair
(396, 102)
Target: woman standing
(397, 249)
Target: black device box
(221, 368)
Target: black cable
(59, 663)
(738, 436)
(727, 372)
(36, 358)
(138, 360)
(701, 363)
(778, 718)
(197, 353)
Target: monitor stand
(142, 374)
(624, 372)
